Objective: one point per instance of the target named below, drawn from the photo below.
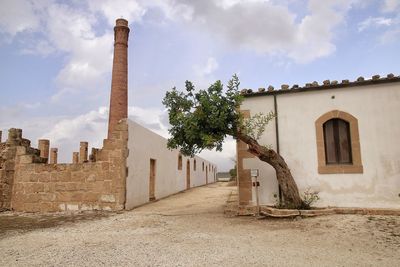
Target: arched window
(179, 162)
(194, 164)
(203, 166)
(337, 142)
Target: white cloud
(69, 29)
(269, 28)
(113, 9)
(155, 119)
(223, 158)
(391, 5)
(315, 33)
(18, 16)
(66, 133)
(374, 22)
(210, 66)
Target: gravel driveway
(190, 229)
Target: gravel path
(189, 229)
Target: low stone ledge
(279, 213)
(246, 210)
(286, 213)
(316, 212)
(368, 211)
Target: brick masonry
(244, 177)
(119, 81)
(31, 186)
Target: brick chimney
(119, 80)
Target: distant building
(223, 177)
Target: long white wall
(377, 108)
(144, 145)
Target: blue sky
(55, 56)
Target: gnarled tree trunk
(285, 179)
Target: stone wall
(8, 151)
(156, 172)
(59, 187)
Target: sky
(56, 56)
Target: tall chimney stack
(119, 80)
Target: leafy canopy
(202, 119)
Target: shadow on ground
(25, 222)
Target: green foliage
(233, 172)
(202, 119)
(309, 198)
(255, 125)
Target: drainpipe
(277, 138)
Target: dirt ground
(190, 229)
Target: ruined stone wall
(6, 176)
(8, 151)
(96, 185)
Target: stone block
(90, 197)
(43, 177)
(63, 196)
(121, 126)
(105, 166)
(9, 165)
(48, 197)
(91, 177)
(107, 198)
(75, 157)
(20, 150)
(49, 187)
(98, 186)
(77, 196)
(273, 212)
(316, 212)
(64, 176)
(27, 168)
(77, 176)
(116, 135)
(48, 207)
(376, 77)
(31, 207)
(85, 207)
(38, 187)
(72, 207)
(284, 87)
(70, 186)
(59, 187)
(42, 168)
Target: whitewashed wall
(144, 145)
(377, 108)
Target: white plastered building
(339, 139)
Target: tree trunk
(285, 179)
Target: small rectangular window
(179, 162)
(337, 142)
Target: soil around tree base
(232, 208)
